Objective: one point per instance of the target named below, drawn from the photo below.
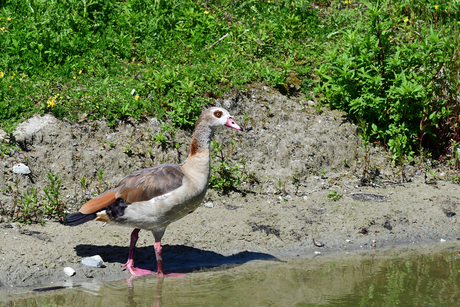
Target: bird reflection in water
(159, 288)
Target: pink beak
(231, 123)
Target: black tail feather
(78, 218)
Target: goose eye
(218, 114)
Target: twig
(218, 41)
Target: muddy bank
(302, 181)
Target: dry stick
(218, 41)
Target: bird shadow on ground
(177, 258)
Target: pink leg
(160, 262)
(130, 263)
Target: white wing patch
(158, 198)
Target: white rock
(442, 240)
(93, 261)
(209, 205)
(21, 168)
(317, 253)
(69, 271)
(133, 92)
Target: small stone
(133, 92)
(442, 240)
(21, 168)
(69, 271)
(93, 261)
(317, 253)
(209, 205)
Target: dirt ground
(302, 194)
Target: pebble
(209, 205)
(21, 168)
(442, 240)
(93, 261)
(69, 271)
(317, 253)
(133, 92)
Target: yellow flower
(406, 19)
(74, 78)
(206, 12)
(436, 7)
(253, 18)
(51, 102)
(24, 75)
(80, 71)
(268, 1)
(9, 19)
(136, 97)
(1, 74)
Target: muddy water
(410, 276)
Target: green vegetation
(392, 65)
(89, 61)
(225, 174)
(31, 207)
(334, 195)
(396, 69)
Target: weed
(224, 175)
(281, 187)
(100, 173)
(29, 210)
(128, 149)
(295, 179)
(323, 173)
(334, 195)
(53, 206)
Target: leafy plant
(224, 175)
(29, 209)
(54, 206)
(334, 195)
(390, 70)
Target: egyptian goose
(153, 198)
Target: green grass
(101, 50)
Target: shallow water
(421, 276)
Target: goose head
(215, 117)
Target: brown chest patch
(194, 147)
